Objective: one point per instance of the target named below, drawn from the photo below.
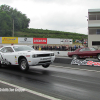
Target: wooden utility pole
(13, 29)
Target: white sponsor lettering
(39, 40)
(12, 89)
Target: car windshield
(92, 49)
(22, 48)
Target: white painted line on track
(52, 65)
(83, 69)
(30, 91)
(59, 66)
(86, 70)
(92, 70)
(76, 68)
(67, 67)
(98, 71)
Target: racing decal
(25, 40)
(1, 56)
(27, 55)
(16, 60)
(4, 61)
(66, 41)
(9, 40)
(85, 62)
(39, 40)
(93, 63)
(79, 62)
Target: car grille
(43, 55)
(49, 61)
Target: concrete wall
(61, 53)
(93, 38)
(94, 23)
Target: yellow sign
(9, 40)
(39, 48)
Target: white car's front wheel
(46, 65)
(23, 64)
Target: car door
(82, 52)
(8, 55)
(85, 52)
(88, 53)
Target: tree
(5, 24)
(8, 14)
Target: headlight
(34, 56)
(52, 54)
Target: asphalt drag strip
(14, 89)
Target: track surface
(59, 81)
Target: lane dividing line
(77, 69)
(98, 71)
(92, 70)
(59, 66)
(29, 91)
(84, 69)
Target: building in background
(93, 27)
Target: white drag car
(25, 56)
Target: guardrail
(61, 53)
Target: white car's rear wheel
(46, 66)
(23, 64)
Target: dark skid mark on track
(14, 71)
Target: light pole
(13, 29)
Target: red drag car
(85, 52)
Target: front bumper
(41, 61)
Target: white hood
(36, 52)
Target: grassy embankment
(40, 33)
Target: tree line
(41, 33)
(7, 16)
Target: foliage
(40, 33)
(7, 15)
(5, 26)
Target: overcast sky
(60, 15)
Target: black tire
(98, 57)
(83, 58)
(75, 57)
(46, 65)
(23, 64)
(0, 64)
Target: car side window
(3, 50)
(85, 49)
(82, 50)
(9, 49)
(6, 50)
